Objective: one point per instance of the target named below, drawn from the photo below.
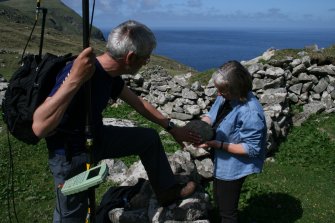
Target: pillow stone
(202, 128)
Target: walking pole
(88, 128)
(44, 11)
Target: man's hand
(183, 134)
(83, 66)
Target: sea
(206, 49)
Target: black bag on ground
(116, 197)
(28, 88)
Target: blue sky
(213, 13)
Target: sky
(217, 14)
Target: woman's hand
(210, 144)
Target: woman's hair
(130, 36)
(235, 78)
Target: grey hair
(130, 36)
(234, 77)
(220, 78)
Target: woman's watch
(170, 125)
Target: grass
(58, 15)
(33, 185)
(203, 77)
(297, 187)
(324, 56)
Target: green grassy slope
(62, 35)
(59, 16)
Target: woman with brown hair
(240, 136)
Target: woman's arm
(228, 147)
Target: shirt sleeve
(62, 75)
(214, 109)
(117, 86)
(252, 132)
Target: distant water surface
(205, 49)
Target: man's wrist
(170, 125)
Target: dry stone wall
(279, 85)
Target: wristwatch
(170, 125)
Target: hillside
(59, 16)
(63, 34)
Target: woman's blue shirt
(245, 125)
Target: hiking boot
(176, 192)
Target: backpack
(29, 86)
(116, 197)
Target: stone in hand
(202, 128)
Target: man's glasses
(145, 59)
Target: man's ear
(130, 58)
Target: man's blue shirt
(245, 125)
(71, 131)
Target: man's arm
(143, 107)
(148, 111)
(49, 114)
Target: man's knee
(152, 135)
(151, 140)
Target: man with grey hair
(61, 120)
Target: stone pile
(144, 206)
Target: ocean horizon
(206, 49)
